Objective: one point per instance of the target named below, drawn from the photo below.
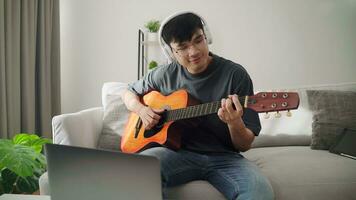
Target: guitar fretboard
(196, 110)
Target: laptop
(77, 173)
(346, 144)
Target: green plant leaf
(38, 144)
(31, 140)
(1, 189)
(1, 185)
(41, 159)
(19, 158)
(38, 172)
(153, 26)
(8, 180)
(28, 185)
(21, 163)
(152, 64)
(23, 138)
(4, 144)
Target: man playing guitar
(210, 150)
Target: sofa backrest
(295, 130)
(284, 131)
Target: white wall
(282, 43)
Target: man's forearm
(131, 101)
(241, 136)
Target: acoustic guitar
(180, 106)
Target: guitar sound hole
(153, 131)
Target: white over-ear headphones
(166, 48)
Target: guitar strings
(196, 110)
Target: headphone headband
(165, 47)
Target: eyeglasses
(197, 42)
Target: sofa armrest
(78, 129)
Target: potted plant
(152, 65)
(21, 163)
(152, 27)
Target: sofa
(290, 151)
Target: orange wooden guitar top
(155, 100)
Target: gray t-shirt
(221, 78)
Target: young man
(209, 151)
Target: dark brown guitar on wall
(179, 105)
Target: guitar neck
(196, 110)
(261, 102)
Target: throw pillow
(115, 115)
(333, 111)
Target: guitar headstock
(273, 101)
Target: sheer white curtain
(29, 66)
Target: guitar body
(166, 135)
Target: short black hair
(181, 28)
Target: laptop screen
(76, 173)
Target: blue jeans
(232, 174)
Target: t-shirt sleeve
(250, 117)
(145, 84)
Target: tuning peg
(278, 115)
(266, 116)
(289, 114)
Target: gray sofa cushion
(325, 135)
(281, 140)
(115, 116)
(297, 172)
(109, 141)
(332, 112)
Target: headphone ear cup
(206, 31)
(208, 35)
(168, 52)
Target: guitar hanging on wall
(180, 106)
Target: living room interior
(68, 90)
